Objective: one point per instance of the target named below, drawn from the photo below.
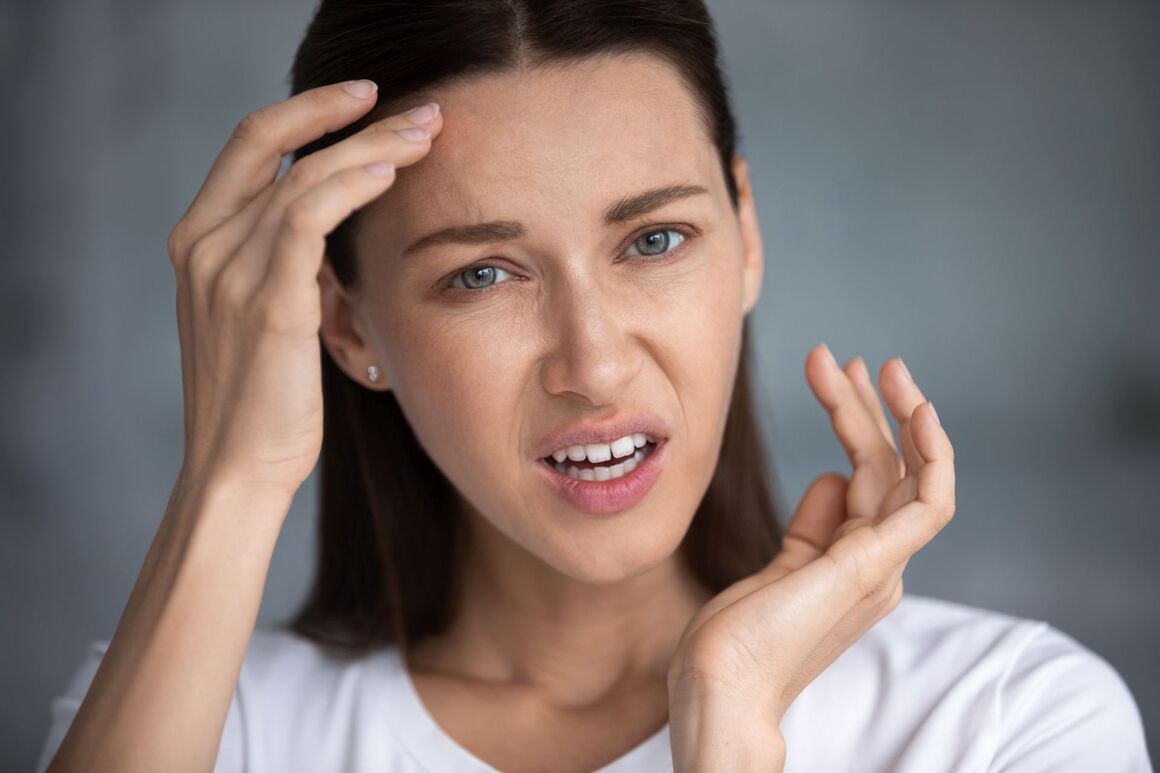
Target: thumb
(820, 512)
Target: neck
(520, 621)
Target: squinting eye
(651, 243)
(657, 242)
(477, 278)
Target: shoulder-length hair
(390, 529)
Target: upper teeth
(602, 452)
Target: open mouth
(611, 469)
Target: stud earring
(372, 373)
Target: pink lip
(609, 496)
(579, 433)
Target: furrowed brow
(478, 233)
(635, 207)
(626, 210)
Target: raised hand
(247, 254)
(754, 647)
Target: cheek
(461, 387)
(696, 326)
(697, 302)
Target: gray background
(974, 186)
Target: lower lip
(609, 496)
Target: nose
(592, 355)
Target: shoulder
(305, 708)
(927, 645)
(923, 628)
(1055, 703)
(286, 681)
(936, 681)
(279, 656)
(283, 671)
(1062, 706)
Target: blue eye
(652, 245)
(484, 276)
(477, 278)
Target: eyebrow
(626, 210)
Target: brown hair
(390, 529)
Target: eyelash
(687, 235)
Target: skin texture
(576, 609)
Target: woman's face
(489, 347)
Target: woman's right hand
(247, 254)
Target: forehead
(570, 138)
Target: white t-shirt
(935, 686)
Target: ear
(753, 263)
(342, 332)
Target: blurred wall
(973, 186)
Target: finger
(395, 137)
(243, 226)
(383, 141)
(859, 375)
(902, 397)
(821, 510)
(874, 461)
(904, 491)
(906, 530)
(220, 245)
(299, 246)
(251, 157)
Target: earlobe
(341, 335)
(753, 263)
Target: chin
(613, 555)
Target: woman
(547, 542)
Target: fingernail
(905, 369)
(381, 168)
(829, 354)
(934, 412)
(415, 133)
(423, 113)
(361, 88)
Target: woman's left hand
(754, 647)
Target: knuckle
(947, 513)
(199, 265)
(255, 127)
(177, 242)
(304, 173)
(892, 592)
(321, 98)
(384, 127)
(299, 218)
(205, 259)
(942, 517)
(860, 563)
(270, 313)
(350, 185)
(227, 291)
